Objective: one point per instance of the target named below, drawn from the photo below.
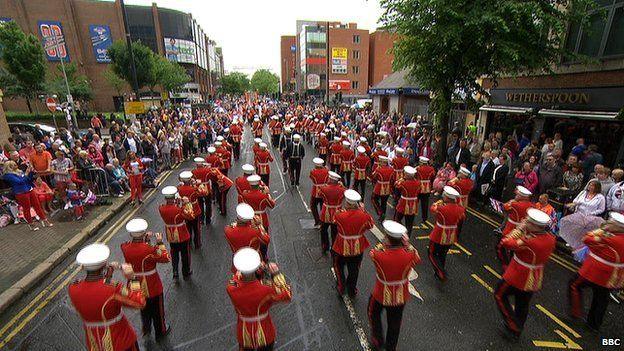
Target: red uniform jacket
(261, 202)
(322, 146)
(226, 157)
(144, 257)
(352, 225)
(464, 187)
(242, 184)
(398, 163)
(375, 156)
(517, 211)
(448, 216)
(319, 178)
(393, 265)
(201, 173)
(526, 269)
(332, 195)
(277, 128)
(175, 222)
(223, 182)
(426, 174)
(361, 164)
(383, 176)
(99, 305)
(257, 129)
(409, 188)
(604, 265)
(346, 156)
(245, 235)
(214, 160)
(263, 161)
(236, 133)
(191, 193)
(252, 301)
(335, 149)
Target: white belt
(425, 181)
(380, 182)
(446, 226)
(318, 185)
(331, 206)
(393, 282)
(361, 169)
(145, 274)
(408, 198)
(530, 266)
(512, 222)
(172, 226)
(104, 324)
(253, 319)
(349, 237)
(608, 263)
(263, 164)
(259, 212)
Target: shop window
(615, 42)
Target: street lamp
(70, 99)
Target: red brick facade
(288, 62)
(381, 58)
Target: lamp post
(70, 99)
(135, 82)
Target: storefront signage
(180, 50)
(101, 40)
(339, 84)
(339, 60)
(134, 107)
(5, 19)
(601, 99)
(53, 40)
(403, 91)
(314, 81)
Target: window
(615, 41)
(355, 69)
(356, 54)
(356, 39)
(603, 36)
(355, 84)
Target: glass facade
(175, 24)
(141, 24)
(313, 57)
(603, 35)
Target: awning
(608, 116)
(508, 109)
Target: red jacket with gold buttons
(352, 225)
(392, 266)
(144, 257)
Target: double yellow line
(48, 293)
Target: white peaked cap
(186, 175)
(450, 192)
(343, 133)
(318, 161)
(334, 175)
(246, 260)
(336, 138)
(245, 212)
(323, 134)
(361, 149)
(263, 145)
(171, 139)
(169, 191)
(423, 159)
(363, 139)
(297, 136)
(378, 144)
(383, 158)
(257, 140)
(287, 129)
(352, 196)
(226, 130)
(248, 169)
(523, 191)
(136, 227)
(316, 120)
(400, 150)
(254, 179)
(292, 125)
(464, 170)
(323, 121)
(199, 160)
(409, 170)
(346, 143)
(256, 119)
(93, 257)
(394, 229)
(538, 217)
(212, 150)
(617, 218)
(220, 138)
(218, 143)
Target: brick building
(380, 58)
(288, 59)
(85, 28)
(348, 63)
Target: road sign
(134, 107)
(51, 104)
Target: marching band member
(407, 207)
(463, 184)
(295, 152)
(335, 155)
(188, 190)
(361, 163)
(247, 231)
(322, 146)
(236, 135)
(259, 199)
(383, 176)
(448, 214)
(425, 173)
(263, 159)
(178, 236)
(332, 195)
(318, 175)
(200, 174)
(347, 156)
(223, 185)
(516, 212)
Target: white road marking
(303, 200)
(357, 324)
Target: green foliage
(264, 81)
(115, 81)
(447, 45)
(169, 75)
(144, 60)
(234, 83)
(24, 63)
(79, 84)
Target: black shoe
(167, 330)
(188, 276)
(509, 334)
(176, 277)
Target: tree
(447, 45)
(169, 75)
(264, 81)
(115, 81)
(79, 84)
(144, 60)
(24, 70)
(234, 83)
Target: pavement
(458, 314)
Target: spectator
(445, 174)
(134, 168)
(461, 155)
(485, 170)
(589, 201)
(22, 186)
(95, 156)
(41, 161)
(557, 141)
(527, 178)
(499, 178)
(27, 150)
(550, 175)
(120, 175)
(544, 205)
(76, 198)
(592, 158)
(130, 143)
(96, 124)
(571, 161)
(615, 198)
(588, 206)
(604, 177)
(573, 179)
(44, 194)
(112, 181)
(579, 149)
(61, 170)
(164, 145)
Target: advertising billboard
(53, 40)
(314, 81)
(339, 84)
(101, 40)
(180, 50)
(339, 60)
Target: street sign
(51, 104)
(134, 107)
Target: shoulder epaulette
(379, 247)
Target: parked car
(33, 129)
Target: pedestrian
(134, 169)
(22, 188)
(425, 174)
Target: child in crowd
(76, 198)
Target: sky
(249, 30)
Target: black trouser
(380, 202)
(294, 170)
(203, 145)
(181, 250)
(323, 157)
(353, 266)
(236, 147)
(437, 257)
(394, 315)
(334, 168)
(265, 178)
(223, 202)
(268, 347)
(600, 300)
(360, 184)
(194, 228)
(423, 198)
(409, 221)
(346, 178)
(275, 140)
(284, 163)
(154, 313)
(325, 227)
(516, 316)
(206, 209)
(315, 204)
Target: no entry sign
(51, 104)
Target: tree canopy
(79, 84)
(447, 45)
(235, 83)
(144, 60)
(118, 83)
(169, 75)
(24, 69)
(264, 81)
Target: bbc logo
(611, 342)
